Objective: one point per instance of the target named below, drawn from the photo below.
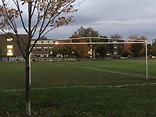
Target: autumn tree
(138, 49)
(87, 32)
(154, 48)
(101, 51)
(66, 51)
(37, 18)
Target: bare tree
(133, 37)
(116, 36)
(37, 18)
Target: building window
(38, 42)
(45, 55)
(45, 48)
(38, 55)
(10, 52)
(39, 48)
(9, 39)
(32, 42)
(34, 48)
(9, 46)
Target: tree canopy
(136, 48)
(36, 18)
(116, 36)
(154, 48)
(88, 32)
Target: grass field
(109, 88)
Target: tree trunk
(28, 72)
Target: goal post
(146, 59)
(88, 40)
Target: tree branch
(20, 14)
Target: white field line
(69, 87)
(97, 69)
(125, 68)
(114, 86)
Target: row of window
(9, 50)
(40, 55)
(42, 48)
(10, 47)
(43, 42)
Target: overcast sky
(108, 17)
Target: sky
(109, 17)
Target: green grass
(66, 93)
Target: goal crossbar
(102, 43)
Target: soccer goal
(105, 41)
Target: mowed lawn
(108, 88)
